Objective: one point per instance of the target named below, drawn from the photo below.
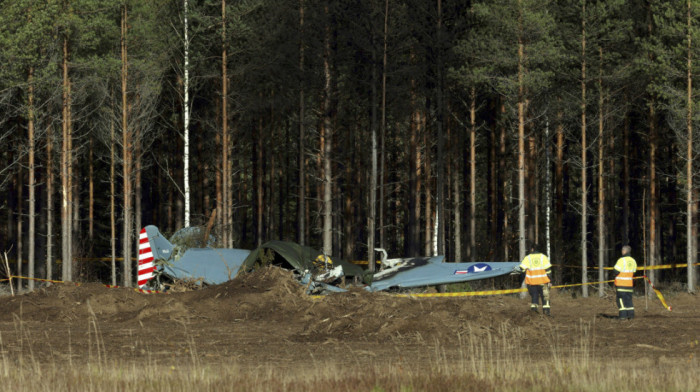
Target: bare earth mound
(264, 317)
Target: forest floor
(263, 319)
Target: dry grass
(569, 375)
(490, 363)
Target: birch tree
(326, 135)
(186, 111)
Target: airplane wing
(431, 271)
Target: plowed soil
(264, 317)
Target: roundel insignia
(479, 267)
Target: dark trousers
(537, 292)
(624, 302)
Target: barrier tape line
(39, 280)
(138, 290)
(639, 268)
(658, 293)
(497, 292)
(109, 286)
(462, 294)
(425, 295)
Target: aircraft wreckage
(160, 259)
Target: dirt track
(264, 317)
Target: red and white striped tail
(146, 264)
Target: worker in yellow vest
(624, 283)
(538, 271)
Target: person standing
(538, 271)
(626, 266)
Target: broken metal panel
(214, 266)
(162, 248)
(297, 257)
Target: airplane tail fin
(146, 262)
(152, 246)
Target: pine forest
(469, 128)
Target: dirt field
(263, 319)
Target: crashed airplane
(159, 258)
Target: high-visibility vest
(626, 266)
(535, 266)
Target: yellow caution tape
(39, 280)
(144, 291)
(658, 293)
(98, 259)
(463, 294)
(665, 266)
(496, 292)
(639, 268)
(365, 262)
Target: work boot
(534, 309)
(546, 311)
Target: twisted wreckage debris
(160, 260)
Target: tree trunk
(548, 189)
(601, 182)
(258, 175)
(428, 196)
(505, 183)
(66, 251)
(584, 163)
(228, 173)
(532, 204)
(222, 177)
(126, 158)
(32, 183)
(493, 189)
(223, 240)
(186, 115)
(454, 141)
(472, 177)
(440, 167)
(414, 185)
(372, 216)
(653, 197)
(383, 127)
(112, 207)
(91, 195)
(559, 170)
(326, 140)
(347, 201)
(626, 180)
(653, 206)
(136, 158)
(20, 220)
(521, 149)
(74, 188)
(49, 202)
(691, 204)
(301, 221)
